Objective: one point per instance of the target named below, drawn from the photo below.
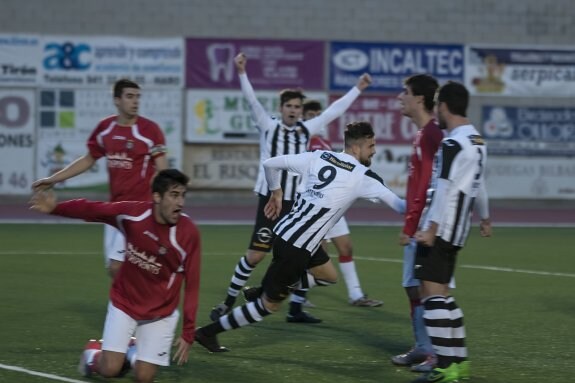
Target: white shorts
(339, 229)
(154, 338)
(408, 262)
(114, 244)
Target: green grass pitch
(516, 291)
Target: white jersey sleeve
(336, 109)
(483, 202)
(262, 119)
(375, 190)
(296, 163)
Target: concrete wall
(441, 21)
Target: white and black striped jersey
(277, 139)
(459, 184)
(333, 182)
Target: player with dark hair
(162, 252)
(135, 149)
(417, 102)
(339, 234)
(333, 181)
(459, 187)
(286, 135)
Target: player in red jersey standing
(162, 251)
(135, 150)
(417, 103)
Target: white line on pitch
(43, 375)
(390, 260)
(479, 267)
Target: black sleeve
(449, 150)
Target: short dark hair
(357, 131)
(122, 84)
(167, 178)
(455, 96)
(423, 85)
(313, 105)
(290, 94)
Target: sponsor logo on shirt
(264, 235)
(120, 161)
(337, 162)
(142, 260)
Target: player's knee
(110, 365)
(144, 372)
(325, 274)
(330, 277)
(346, 249)
(254, 257)
(271, 305)
(326, 278)
(344, 245)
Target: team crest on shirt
(162, 250)
(129, 144)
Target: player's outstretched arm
(363, 82)
(241, 61)
(43, 201)
(79, 166)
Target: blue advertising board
(524, 131)
(390, 64)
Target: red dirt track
(211, 208)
